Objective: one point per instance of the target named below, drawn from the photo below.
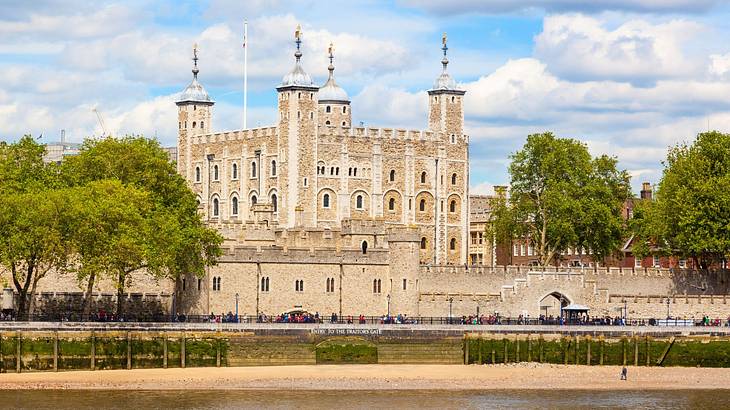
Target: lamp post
(388, 298)
(451, 301)
(236, 307)
(561, 310)
(668, 309)
(626, 312)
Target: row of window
(359, 204)
(298, 284)
(452, 244)
(180, 124)
(234, 171)
(328, 109)
(234, 205)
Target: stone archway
(552, 303)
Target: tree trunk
(22, 313)
(120, 294)
(86, 314)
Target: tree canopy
(691, 213)
(561, 198)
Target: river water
(247, 399)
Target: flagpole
(245, 73)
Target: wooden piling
(479, 354)
(55, 351)
(636, 351)
(541, 348)
(517, 351)
(466, 349)
(576, 350)
(600, 348)
(529, 348)
(18, 356)
(588, 351)
(218, 352)
(164, 351)
(129, 350)
(2, 357)
(623, 350)
(493, 356)
(506, 352)
(182, 351)
(648, 352)
(93, 351)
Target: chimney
(646, 191)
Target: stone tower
(334, 104)
(445, 103)
(194, 116)
(297, 137)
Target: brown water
(245, 399)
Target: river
(405, 399)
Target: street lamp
(451, 301)
(668, 309)
(236, 307)
(561, 310)
(626, 312)
(388, 298)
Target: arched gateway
(551, 304)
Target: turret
(194, 116)
(446, 105)
(298, 141)
(334, 104)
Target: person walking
(624, 372)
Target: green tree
(34, 231)
(562, 198)
(691, 213)
(172, 239)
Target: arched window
(332, 170)
(392, 175)
(235, 171)
(379, 286)
(273, 168)
(197, 174)
(215, 172)
(328, 109)
(326, 201)
(253, 169)
(215, 206)
(358, 202)
(375, 286)
(452, 206)
(423, 242)
(422, 205)
(194, 124)
(253, 200)
(267, 283)
(391, 204)
(234, 206)
(327, 122)
(453, 138)
(275, 202)
(453, 179)
(344, 110)
(364, 247)
(344, 123)
(337, 170)
(452, 244)
(354, 172)
(423, 177)
(263, 284)
(201, 124)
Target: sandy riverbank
(378, 377)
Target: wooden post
(479, 346)
(660, 361)
(55, 352)
(506, 352)
(129, 351)
(600, 348)
(588, 351)
(493, 356)
(466, 349)
(541, 348)
(218, 353)
(517, 351)
(576, 350)
(164, 350)
(648, 352)
(93, 350)
(623, 349)
(529, 348)
(19, 336)
(182, 351)
(636, 351)
(566, 347)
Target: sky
(628, 78)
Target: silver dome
(330, 91)
(444, 82)
(297, 77)
(194, 92)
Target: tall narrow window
(253, 200)
(405, 283)
(197, 174)
(452, 206)
(354, 172)
(234, 206)
(326, 201)
(215, 206)
(423, 242)
(364, 247)
(274, 202)
(344, 110)
(375, 286)
(392, 175)
(215, 172)
(452, 244)
(423, 177)
(422, 205)
(263, 284)
(379, 289)
(453, 179)
(328, 109)
(273, 168)
(253, 170)
(391, 204)
(358, 202)
(235, 171)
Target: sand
(378, 377)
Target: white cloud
(381, 106)
(483, 188)
(516, 6)
(720, 64)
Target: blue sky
(629, 78)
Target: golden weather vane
(298, 32)
(443, 38)
(331, 48)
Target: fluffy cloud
(591, 6)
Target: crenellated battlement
(234, 135)
(394, 134)
(561, 270)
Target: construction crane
(101, 122)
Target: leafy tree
(691, 214)
(171, 240)
(34, 234)
(562, 198)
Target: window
(235, 171)
(299, 285)
(197, 174)
(344, 110)
(201, 124)
(194, 124)
(328, 109)
(422, 205)
(275, 203)
(522, 250)
(637, 262)
(326, 201)
(273, 168)
(364, 247)
(337, 170)
(376, 286)
(453, 179)
(423, 177)
(423, 242)
(215, 172)
(452, 206)
(391, 204)
(215, 207)
(530, 250)
(183, 283)
(200, 284)
(253, 169)
(392, 175)
(344, 124)
(330, 285)
(354, 172)
(516, 250)
(306, 181)
(410, 204)
(452, 244)
(358, 202)
(311, 115)
(234, 206)
(405, 283)
(216, 283)
(265, 284)
(453, 139)
(683, 263)
(327, 122)
(452, 98)
(332, 170)
(349, 172)
(656, 262)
